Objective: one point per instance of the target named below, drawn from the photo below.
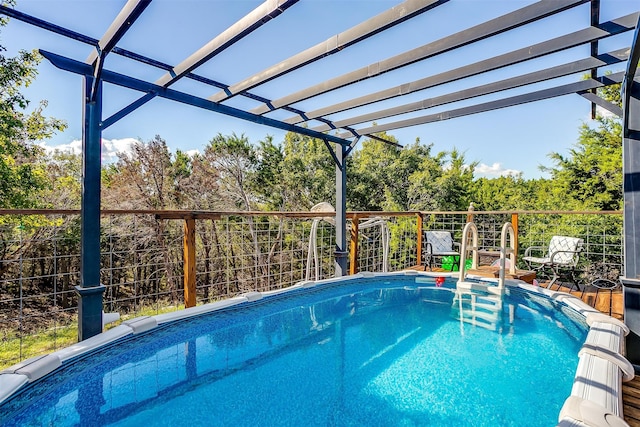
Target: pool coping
(595, 399)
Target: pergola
(343, 124)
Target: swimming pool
(385, 350)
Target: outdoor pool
(376, 351)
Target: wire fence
(142, 258)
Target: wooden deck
(607, 301)
(631, 400)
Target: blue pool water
(388, 352)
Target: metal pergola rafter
(338, 134)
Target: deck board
(631, 400)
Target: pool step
(477, 309)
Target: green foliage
(269, 186)
(453, 187)
(403, 243)
(64, 173)
(370, 173)
(143, 178)
(22, 174)
(181, 166)
(308, 171)
(179, 174)
(385, 177)
(591, 174)
(505, 193)
(234, 159)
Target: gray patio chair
(562, 253)
(438, 244)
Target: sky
(510, 140)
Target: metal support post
(631, 188)
(341, 252)
(631, 185)
(90, 290)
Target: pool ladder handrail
(313, 259)
(470, 229)
(507, 232)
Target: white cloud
(601, 112)
(605, 113)
(192, 153)
(74, 147)
(110, 147)
(495, 170)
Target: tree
(415, 164)
(141, 179)
(22, 174)
(234, 159)
(591, 175)
(309, 172)
(504, 193)
(385, 177)
(370, 174)
(64, 174)
(270, 189)
(453, 187)
(145, 179)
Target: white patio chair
(562, 253)
(438, 244)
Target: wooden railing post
(419, 240)
(514, 223)
(189, 262)
(353, 246)
(470, 214)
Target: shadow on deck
(608, 301)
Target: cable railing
(158, 261)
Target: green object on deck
(451, 263)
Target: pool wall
(595, 399)
(596, 395)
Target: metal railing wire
(143, 266)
